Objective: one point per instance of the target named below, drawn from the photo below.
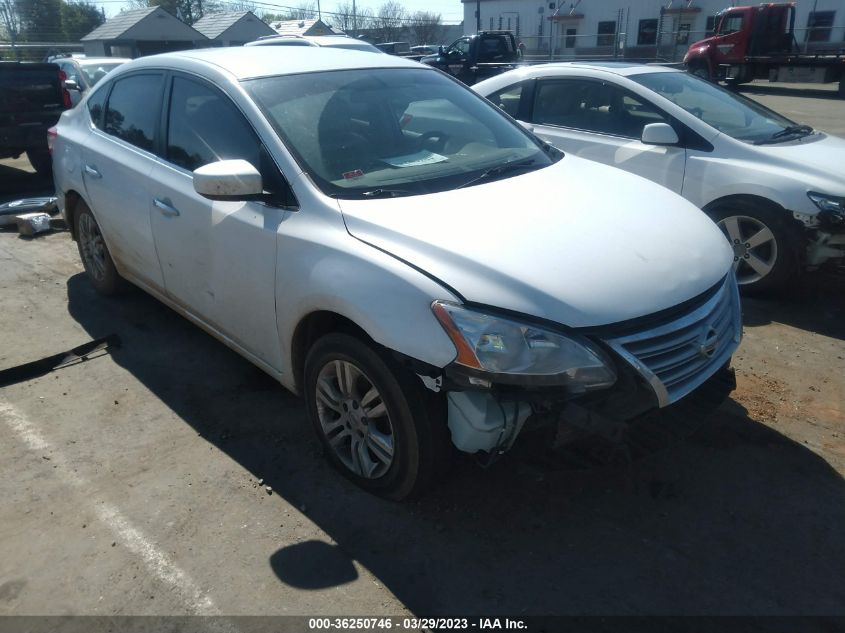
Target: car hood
(817, 156)
(577, 243)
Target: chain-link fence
(563, 43)
(36, 51)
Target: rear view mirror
(659, 134)
(228, 180)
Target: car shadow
(815, 303)
(18, 182)
(736, 520)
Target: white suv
(387, 244)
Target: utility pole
(354, 20)
(477, 15)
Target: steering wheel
(433, 140)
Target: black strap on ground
(37, 368)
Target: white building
(643, 29)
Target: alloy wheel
(754, 245)
(92, 246)
(354, 419)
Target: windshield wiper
(373, 193)
(499, 170)
(803, 130)
(385, 193)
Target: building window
(607, 31)
(569, 42)
(647, 33)
(710, 29)
(819, 25)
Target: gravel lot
(130, 483)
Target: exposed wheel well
(743, 198)
(311, 328)
(71, 200)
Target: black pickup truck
(32, 97)
(472, 58)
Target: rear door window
(133, 109)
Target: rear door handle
(166, 208)
(92, 171)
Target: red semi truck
(759, 43)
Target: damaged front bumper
(682, 356)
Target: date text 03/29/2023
(415, 624)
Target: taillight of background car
(65, 92)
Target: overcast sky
(450, 10)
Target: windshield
(728, 112)
(95, 72)
(405, 131)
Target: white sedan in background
(776, 188)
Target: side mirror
(70, 84)
(228, 180)
(659, 134)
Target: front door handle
(166, 208)
(92, 171)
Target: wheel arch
(744, 198)
(72, 199)
(309, 329)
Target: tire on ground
(102, 273)
(787, 238)
(41, 162)
(416, 416)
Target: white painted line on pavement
(158, 563)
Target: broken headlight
(496, 345)
(833, 206)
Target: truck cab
(758, 42)
(472, 58)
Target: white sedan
(775, 188)
(346, 222)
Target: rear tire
(377, 423)
(766, 242)
(95, 254)
(41, 162)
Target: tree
(40, 20)
(344, 18)
(9, 19)
(426, 26)
(387, 21)
(79, 19)
(188, 11)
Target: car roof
(623, 69)
(248, 62)
(86, 61)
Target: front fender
(383, 296)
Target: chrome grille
(677, 356)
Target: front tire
(765, 241)
(95, 254)
(376, 422)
